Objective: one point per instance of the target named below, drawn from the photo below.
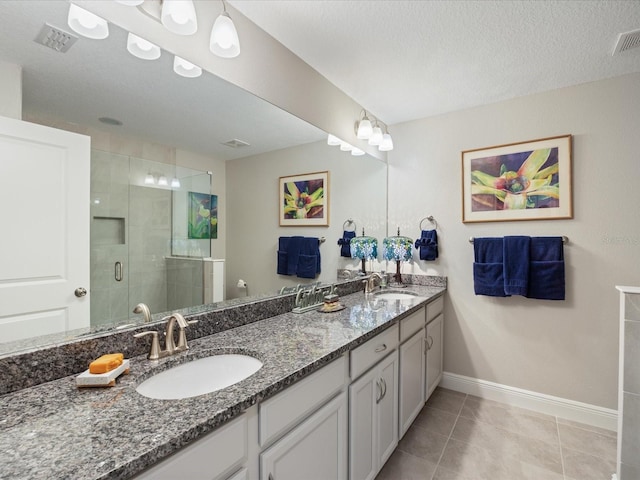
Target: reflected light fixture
(185, 68)
(364, 129)
(141, 48)
(356, 152)
(86, 23)
(130, 3)
(345, 147)
(333, 140)
(162, 181)
(224, 40)
(179, 16)
(149, 180)
(175, 183)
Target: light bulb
(376, 136)
(224, 40)
(86, 23)
(179, 16)
(185, 68)
(364, 128)
(141, 48)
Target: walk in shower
(151, 225)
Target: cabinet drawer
(217, 453)
(289, 407)
(411, 324)
(367, 354)
(435, 308)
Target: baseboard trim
(539, 402)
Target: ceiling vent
(627, 41)
(55, 38)
(235, 143)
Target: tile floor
(462, 437)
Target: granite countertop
(55, 430)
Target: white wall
(567, 348)
(10, 90)
(357, 191)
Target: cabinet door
(363, 395)
(412, 379)
(387, 415)
(315, 450)
(434, 353)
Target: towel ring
(432, 220)
(349, 222)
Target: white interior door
(44, 245)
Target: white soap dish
(87, 379)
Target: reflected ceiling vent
(627, 41)
(55, 38)
(235, 143)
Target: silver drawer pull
(381, 348)
(378, 391)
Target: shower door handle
(118, 271)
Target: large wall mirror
(193, 130)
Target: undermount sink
(198, 377)
(395, 295)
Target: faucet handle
(182, 336)
(154, 353)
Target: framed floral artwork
(304, 199)
(202, 216)
(518, 181)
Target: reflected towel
(308, 264)
(516, 264)
(428, 245)
(546, 272)
(488, 272)
(345, 242)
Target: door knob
(80, 292)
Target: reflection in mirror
(177, 127)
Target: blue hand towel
(516, 265)
(428, 245)
(546, 273)
(283, 255)
(345, 242)
(488, 272)
(308, 264)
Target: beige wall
(569, 348)
(357, 190)
(10, 90)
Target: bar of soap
(106, 363)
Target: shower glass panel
(137, 207)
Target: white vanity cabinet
(314, 450)
(303, 429)
(373, 404)
(412, 369)
(219, 455)
(434, 335)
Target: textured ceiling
(404, 60)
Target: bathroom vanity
(331, 384)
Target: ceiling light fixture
(224, 40)
(141, 48)
(179, 16)
(373, 134)
(86, 23)
(185, 68)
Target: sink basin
(198, 377)
(395, 296)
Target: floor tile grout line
(449, 437)
(561, 452)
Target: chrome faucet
(144, 310)
(369, 284)
(170, 346)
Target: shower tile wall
(185, 278)
(109, 211)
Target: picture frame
(304, 199)
(518, 181)
(202, 216)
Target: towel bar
(565, 239)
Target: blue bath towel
(298, 256)
(516, 265)
(488, 272)
(546, 271)
(428, 245)
(345, 242)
